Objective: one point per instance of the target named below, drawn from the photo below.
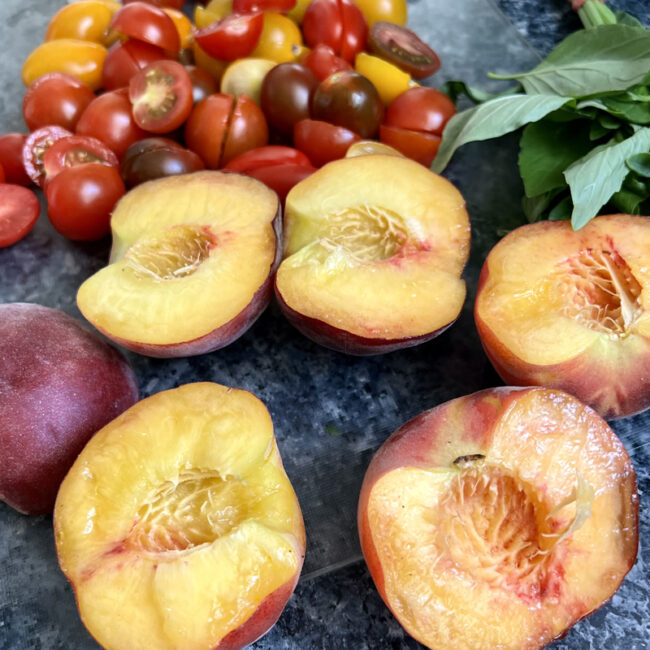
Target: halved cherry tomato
(87, 20)
(55, 98)
(247, 129)
(2, 174)
(322, 142)
(323, 62)
(420, 109)
(389, 80)
(11, 158)
(109, 118)
(35, 147)
(203, 83)
(81, 59)
(337, 23)
(280, 41)
(80, 200)
(233, 37)
(161, 95)
(125, 59)
(205, 129)
(243, 6)
(19, 210)
(147, 23)
(271, 155)
(76, 150)
(417, 145)
(281, 178)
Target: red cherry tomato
(36, 146)
(124, 60)
(322, 142)
(234, 37)
(420, 109)
(161, 95)
(268, 156)
(76, 150)
(109, 119)
(172, 4)
(11, 158)
(19, 210)
(247, 129)
(2, 174)
(205, 129)
(147, 23)
(80, 200)
(419, 146)
(337, 23)
(323, 62)
(246, 6)
(56, 98)
(281, 178)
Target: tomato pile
(119, 94)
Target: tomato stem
(593, 13)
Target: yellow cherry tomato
(298, 12)
(245, 77)
(220, 7)
(183, 26)
(86, 21)
(371, 147)
(203, 17)
(113, 5)
(208, 63)
(387, 78)
(393, 11)
(82, 59)
(281, 40)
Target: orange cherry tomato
(147, 23)
(87, 20)
(81, 59)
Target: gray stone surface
(313, 393)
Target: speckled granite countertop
(365, 399)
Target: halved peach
(499, 519)
(571, 309)
(177, 525)
(191, 264)
(374, 249)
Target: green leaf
(562, 211)
(639, 163)
(591, 61)
(454, 89)
(597, 176)
(625, 108)
(535, 206)
(623, 18)
(546, 149)
(627, 202)
(490, 120)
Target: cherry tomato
(403, 48)
(203, 60)
(147, 23)
(233, 37)
(161, 95)
(245, 77)
(203, 83)
(11, 158)
(125, 59)
(420, 109)
(281, 178)
(270, 155)
(350, 100)
(173, 4)
(183, 25)
(2, 174)
(204, 17)
(220, 7)
(389, 80)
(337, 23)
(109, 119)
(76, 150)
(81, 59)
(280, 41)
(392, 11)
(36, 146)
(287, 91)
(421, 147)
(205, 129)
(321, 141)
(323, 62)
(80, 200)
(154, 158)
(87, 20)
(298, 12)
(55, 98)
(19, 210)
(243, 6)
(247, 129)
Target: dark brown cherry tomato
(19, 210)
(56, 99)
(11, 158)
(337, 23)
(35, 147)
(147, 23)
(76, 150)
(323, 62)
(322, 142)
(161, 95)
(233, 37)
(80, 200)
(420, 109)
(109, 119)
(246, 6)
(247, 129)
(268, 156)
(203, 83)
(281, 178)
(286, 95)
(404, 48)
(349, 99)
(417, 145)
(126, 59)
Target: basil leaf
(589, 62)
(640, 164)
(490, 120)
(454, 89)
(546, 149)
(627, 202)
(562, 211)
(597, 176)
(628, 110)
(534, 207)
(623, 18)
